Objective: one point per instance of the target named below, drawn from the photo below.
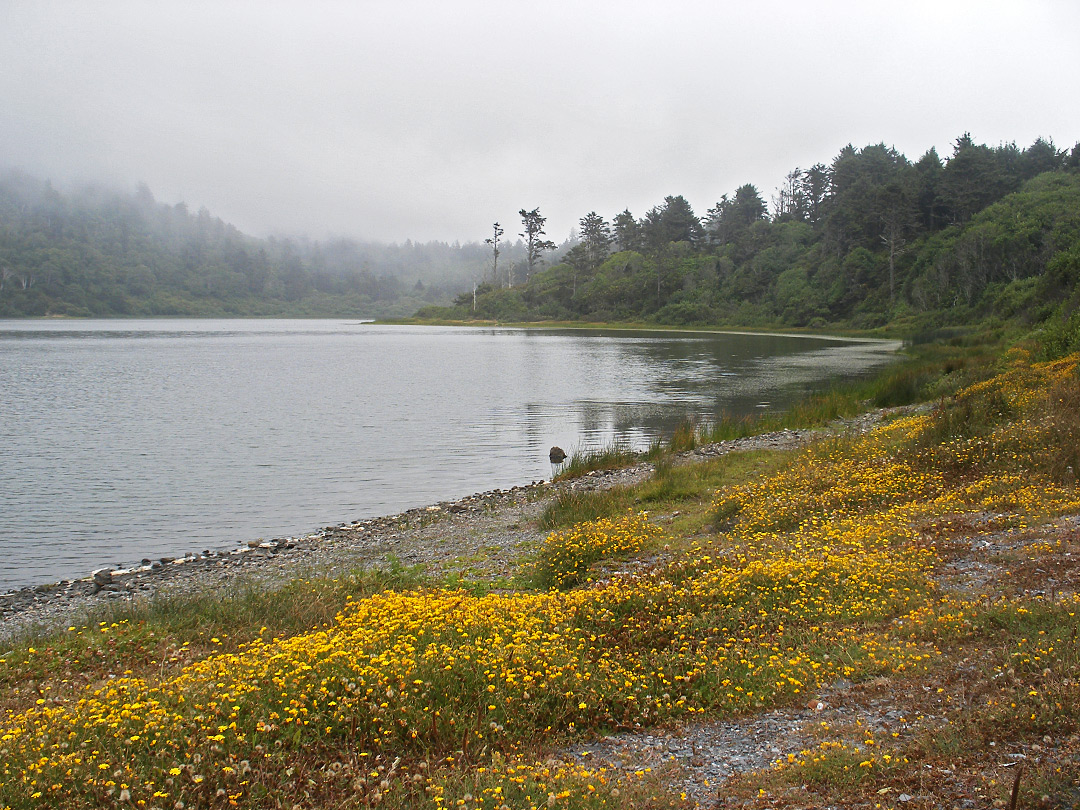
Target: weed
(580, 505)
(684, 438)
(612, 457)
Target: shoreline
(485, 534)
(895, 617)
(777, 330)
(50, 548)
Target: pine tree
(535, 244)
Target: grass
(582, 462)
(578, 506)
(386, 690)
(670, 485)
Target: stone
(102, 576)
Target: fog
(423, 120)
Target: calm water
(128, 439)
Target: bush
(565, 557)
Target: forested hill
(98, 252)
(869, 239)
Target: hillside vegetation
(101, 253)
(987, 235)
(872, 239)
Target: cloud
(423, 120)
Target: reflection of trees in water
(572, 396)
(733, 370)
(635, 423)
(707, 378)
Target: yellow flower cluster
(520, 783)
(565, 557)
(835, 762)
(422, 672)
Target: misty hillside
(871, 239)
(103, 253)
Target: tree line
(105, 253)
(869, 238)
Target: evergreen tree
(1041, 156)
(748, 206)
(533, 233)
(718, 223)
(596, 238)
(815, 186)
(974, 177)
(493, 240)
(928, 171)
(674, 221)
(627, 231)
(1073, 160)
(790, 203)
(856, 197)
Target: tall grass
(669, 485)
(685, 437)
(666, 483)
(300, 604)
(578, 506)
(615, 455)
(815, 410)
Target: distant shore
(860, 335)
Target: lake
(123, 439)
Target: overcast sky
(430, 120)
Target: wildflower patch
(821, 572)
(565, 557)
